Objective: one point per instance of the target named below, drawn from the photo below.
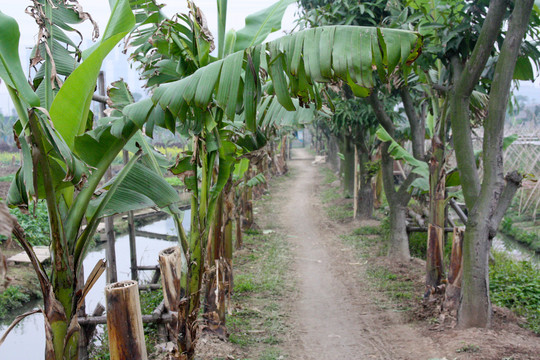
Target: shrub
(12, 298)
(516, 285)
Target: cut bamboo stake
(124, 321)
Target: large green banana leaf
(295, 63)
(69, 111)
(261, 24)
(10, 64)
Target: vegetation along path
(335, 316)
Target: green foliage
(35, 223)
(368, 230)
(11, 299)
(7, 178)
(528, 238)
(243, 283)
(468, 348)
(174, 181)
(418, 244)
(516, 285)
(330, 195)
(6, 158)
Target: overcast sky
(100, 11)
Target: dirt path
(334, 315)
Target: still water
(27, 341)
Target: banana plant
(63, 162)
(215, 100)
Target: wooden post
(124, 321)
(131, 231)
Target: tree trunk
(399, 240)
(365, 192)
(333, 149)
(347, 169)
(475, 308)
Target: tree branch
(498, 98)
(380, 113)
(482, 50)
(462, 138)
(418, 127)
(513, 183)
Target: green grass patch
(529, 237)
(516, 285)
(368, 230)
(6, 158)
(329, 175)
(35, 223)
(11, 299)
(7, 178)
(330, 195)
(260, 286)
(340, 212)
(174, 181)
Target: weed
(340, 212)
(243, 283)
(174, 181)
(368, 230)
(516, 285)
(330, 195)
(10, 299)
(468, 348)
(35, 223)
(329, 175)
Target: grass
(35, 223)
(516, 285)
(174, 181)
(528, 237)
(6, 158)
(7, 178)
(329, 175)
(260, 285)
(12, 299)
(340, 212)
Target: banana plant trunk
(435, 240)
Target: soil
(4, 171)
(336, 314)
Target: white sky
(100, 11)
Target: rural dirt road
(334, 312)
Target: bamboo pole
(132, 238)
(109, 221)
(124, 321)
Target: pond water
(515, 249)
(27, 341)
